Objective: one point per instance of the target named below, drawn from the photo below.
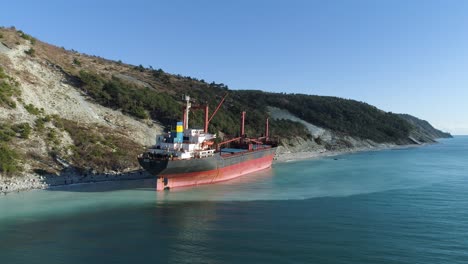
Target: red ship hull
(213, 176)
(182, 173)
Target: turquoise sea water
(393, 206)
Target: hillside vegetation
(60, 106)
(423, 128)
(144, 92)
(348, 117)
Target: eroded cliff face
(45, 87)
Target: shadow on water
(75, 180)
(107, 186)
(136, 180)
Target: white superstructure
(195, 144)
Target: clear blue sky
(401, 56)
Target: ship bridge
(192, 143)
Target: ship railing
(243, 151)
(152, 156)
(206, 153)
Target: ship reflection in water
(253, 186)
(191, 216)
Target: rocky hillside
(422, 130)
(61, 109)
(48, 123)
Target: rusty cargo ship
(189, 157)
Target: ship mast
(187, 111)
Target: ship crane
(204, 107)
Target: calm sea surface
(394, 206)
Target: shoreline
(68, 178)
(312, 155)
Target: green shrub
(52, 137)
(46, 118)
(8, 89)
(57, 121)
(41, 121)
(2, 74)
(138, 111)
(31, 52)
(32, 109)
(140, 68)
(27, 37)
(157, 73)
(76, 62)
(9, 160)
(39, 124)
(6, 92)
(6, 133)
(24, 129)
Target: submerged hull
(182, 173)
